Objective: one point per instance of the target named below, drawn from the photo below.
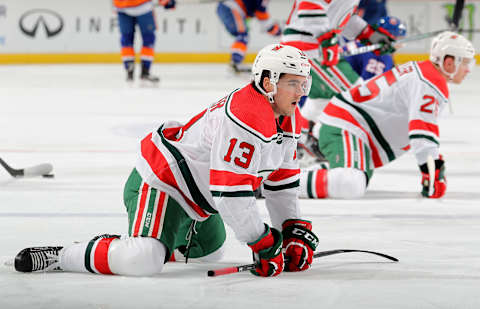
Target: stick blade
(38, 170)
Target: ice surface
(86, 122)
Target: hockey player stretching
(190, 178)
(374, 123)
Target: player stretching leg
(191, 178)
(374, 123)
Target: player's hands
(167, 4)
(275, 30)
(299, 243)
(267, 253)
(439, 183)
(375, 34)
(330, 48)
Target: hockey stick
(32, 171)
(431, 174)
(237, 269)
(456, 16)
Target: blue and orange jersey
(122, 4)
(257, 8)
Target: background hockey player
(314, 27)
(372, 10)
(370, 64)
(138, 12)
(191, 178)
(235, 15)
(374, 123)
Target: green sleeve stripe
(293, 31)
(282, 187)
(309, 184)
(311, 15)
(425, 137)
(232, 194)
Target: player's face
(290, 89)
(465, 67)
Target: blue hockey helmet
(393, 25)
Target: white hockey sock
(313, 183)
(346, 183)
(131, 256)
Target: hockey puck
(48, 175)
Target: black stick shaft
(237, 269)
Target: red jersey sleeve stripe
(224, 178)
(305, 5)
(282, 174)
(424, 126)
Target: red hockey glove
(267, 253)
(330, 48)
(440, 181)
(275, 30)
(167, 4)
(299, 243)
(375, 34)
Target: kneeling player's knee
(346, 183)
(215, 256)
(136, 256)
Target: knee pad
(346, 183)
(136, 256)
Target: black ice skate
(238, 68)
(37, 259)
(130, 70)
(308, 152)
(148, 80)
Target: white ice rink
(83, 120)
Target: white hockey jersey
(216, 161)
(394, 112)
(310, 19)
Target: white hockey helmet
(449, 43)
(279, 59)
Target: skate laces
(45, 260)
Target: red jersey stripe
(338, 112)
(424, 126)
(141, 208)
(224, 178)
(305, 5)
(282, 174)
(161, 168)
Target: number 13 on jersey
(246, 153)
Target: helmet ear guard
(278, 59)
(452, 44)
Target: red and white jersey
(394, 112)
(216, 161)
(309, 19)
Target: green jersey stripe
(197, 196)
(425, 137)
(293, 31)
(149, 212)
(311, 15)
(232, 194)
(309, 184)
(373, 128)
(282, 187)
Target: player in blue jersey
(372, 10)
(235, 14)
(371, 64)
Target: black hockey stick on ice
(43, 169)
(237, 269)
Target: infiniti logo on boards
(32, 20)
